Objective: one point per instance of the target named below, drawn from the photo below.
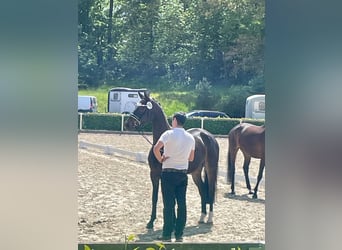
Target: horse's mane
(153, 99)
(157, 102)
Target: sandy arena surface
(114, 197)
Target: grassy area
(171, 101)
(176, 98)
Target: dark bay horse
(250, 139)
(206, 155)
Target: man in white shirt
(179, 149)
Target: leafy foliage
(187, 46)
(233, 103)
(206, 99)
(171, 42)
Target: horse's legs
(211, 214)
(261, 170)
(211, 181)
(207, 199)
(155, 177)
(231, 165)
(197, 178)
(246, 162)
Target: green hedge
(113, 122)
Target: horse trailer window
(115, 97)
(133, 95)
(259, 106)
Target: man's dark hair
(180, 117)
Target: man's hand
(164, 158)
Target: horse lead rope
(140, 130)
(145, 137)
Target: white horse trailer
(255, 107)
(123, 100)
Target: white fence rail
(142, 157)
(110, 150)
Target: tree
(244, 29)
(206, 99)
(171, 41)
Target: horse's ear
(147, 94)
(141, 95)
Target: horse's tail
(211, 165)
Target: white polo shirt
(178, 144)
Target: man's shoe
(179, 239)
(164, 238)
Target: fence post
(81, 120)
(122, 122)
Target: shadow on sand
(244, 197)
(151, 235)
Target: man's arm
(192, 155)
(156, 151)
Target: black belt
(173, 170)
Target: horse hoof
(250, 192)
(149, 225)
(201, 222)
(255, 196)
(210, 223)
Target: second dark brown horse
(250, 139)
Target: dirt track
(114, 197)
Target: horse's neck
(159, 126)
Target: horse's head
(142, 113)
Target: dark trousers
(174, 187)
